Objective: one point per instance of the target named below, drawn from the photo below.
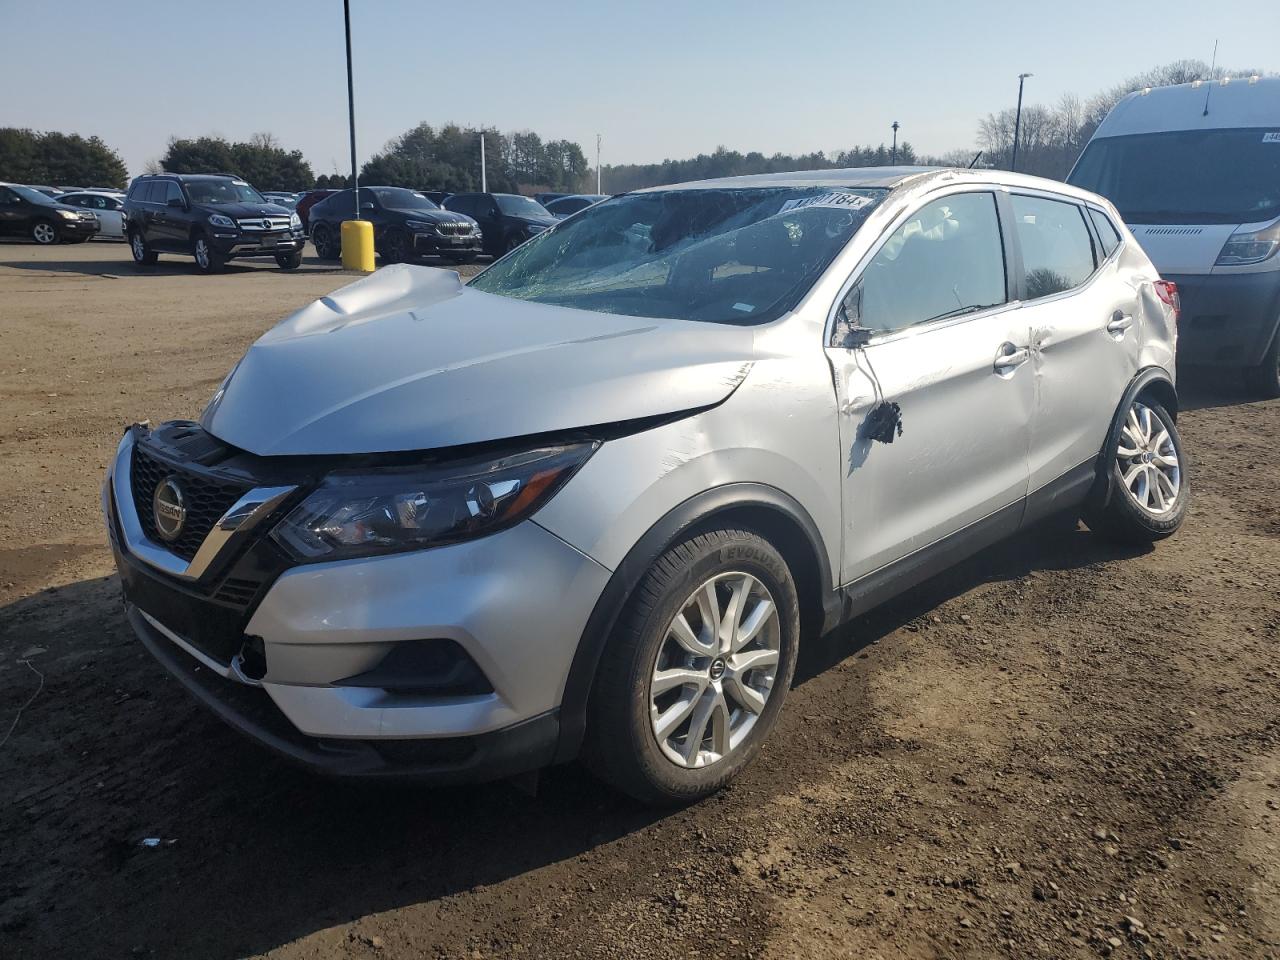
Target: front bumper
(516, 602)
(432, 244)
(1227, 319)
(240, 244)
(78, 227)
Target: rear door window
(1057, 251)
(1107, 231)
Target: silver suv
(592, 501)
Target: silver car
(592, 502)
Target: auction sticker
(1273, 137)
(842, 201)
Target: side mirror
(175, 202)
(366, 206)
(849, 333)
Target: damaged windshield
(743, 255)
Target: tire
(511, 244)
(326, 247)
(623, 745)
(1264, 379)
(143, 255)
(468, 258)
(396, 246)
(45, 233)
(289, 261)
(1151, 505)
(208, 259)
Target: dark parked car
(506, 219)
(437, 196)
(306, 202)
(545, 198)
(406, 226)
(211, 217)
(567, 206)
(26, 212)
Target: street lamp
(893, 157)
(1017, 121)
(351, 108)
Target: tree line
(448, 157)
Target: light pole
(893, 157)
(598, 190)
(351, 108)
(1017, 121)
(484, 174)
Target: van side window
(1107, 231)
(946, 260)
(1057, 251)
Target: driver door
(944, 343)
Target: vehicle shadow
(253, 853)
(166, 266)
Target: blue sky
(655, 79)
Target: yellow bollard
(357, 245)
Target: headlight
(409, 508)
(218, 220)
(69, 214)
(295, 221)
(1251, 247)
(419, 225)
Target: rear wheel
(693, 678)
(289, 261)
(207, 257)
(323, 240)
(45, 233)
(1149, 486)
(142, 254)
(1264, 379)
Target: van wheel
(208, 259)
(142, 254)
(694, 676)
(1149, 489)
(44, 233)
(322, 240)
(1264, 379)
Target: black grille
(206, 500)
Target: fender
(1160, 384)
(692, 512)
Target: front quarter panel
(778, 429)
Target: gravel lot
(1057, 750)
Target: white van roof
(1232, 104)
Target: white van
(1195, 171)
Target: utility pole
(1017, 121)
(893, 158)
(484, 177)
(598, 190)
(351, 109)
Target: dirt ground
(1058, 750)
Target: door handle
(1119, 323)
(1010, 356)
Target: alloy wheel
(138, 247)
(44, 233)
(202, 253)
(1148, 461)
(715, 670)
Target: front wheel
(1264, 379)
(396, 247)
(1149, 485)
(693, 678)
(289, 261)
(208, 258)
(45, 233)
(323, 240)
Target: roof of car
(1200, 105)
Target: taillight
(1167, 291)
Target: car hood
(238, 211)
(410, 359)
(547, 221)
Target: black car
(563, 207)
(212, 217)
(406, 226)
(26, 212)
(506, 219)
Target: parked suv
(27, 212)
(506, 219)
(406, 226)
(212, 217)
(594, 500)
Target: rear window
(1057, 252)
(1107, 231)
(1186, 176)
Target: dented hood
(410, 359)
